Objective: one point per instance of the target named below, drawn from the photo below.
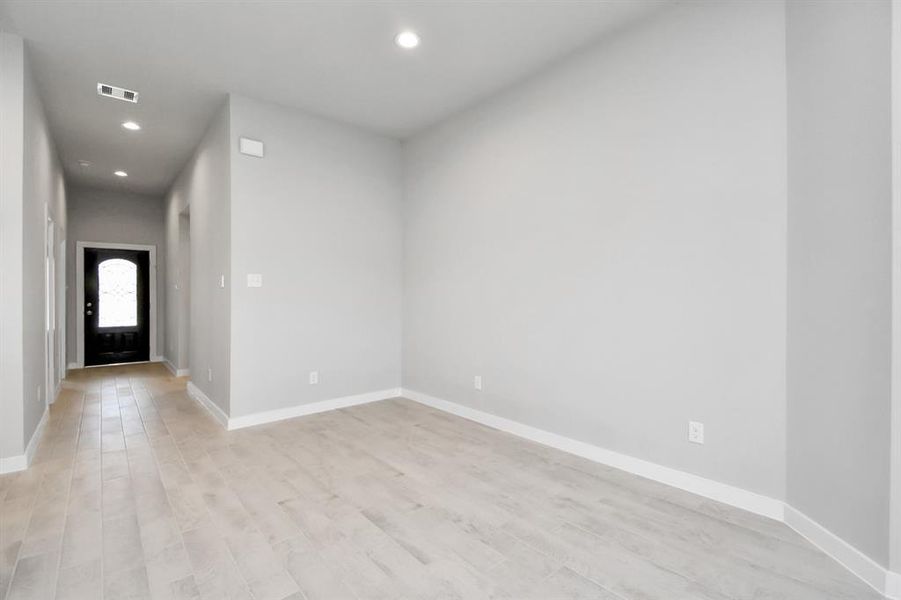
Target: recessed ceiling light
(84, 163)
(131, 125)
(120, 174)
(407, 40)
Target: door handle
(90, 313)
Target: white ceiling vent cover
(111, 91)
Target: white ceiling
(335, 59)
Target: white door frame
(62, 300)
(79, 291)
(894, 582)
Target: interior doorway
(184, 290)
(50, 304)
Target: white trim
(281, 414)
(23, 461)
(300, 410)
(173, 370)
(893, 586)
(872, 573)
(51, 294)
(869, 571)
(721, 492)
(204, 400)
(882, 580)
(13, 464)
(895, 424)
(79, 293)
(72, 365)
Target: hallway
(137, 493)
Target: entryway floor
(136, 492)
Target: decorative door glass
(118, 293)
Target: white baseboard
(882, 580)
(21, 462)
(157, 359)
(868, 570)
(12, 464)
(721, 492)
(174, 371)
(280, 414)
(195, 393)
(72, 365)
(893, 586)
(300, 410)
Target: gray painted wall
(31, 188)
(44, 196)
(120, 217)
(605, 246)
(320, 218)
(12, 83)
(203, 187)
(839, 266)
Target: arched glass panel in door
(117, 283)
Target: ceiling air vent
(111, 91)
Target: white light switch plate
(251, 147)
(254, 280)
(477, 382)
(314, 377)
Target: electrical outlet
(477, 382)
(209, 374)
(222, 281)
(38, 397)
(695, 432)
(314, 377)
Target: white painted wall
(605, 245)
(319, 217)
(839, 266)
(116, 217)
(203, 187)
(31, 189)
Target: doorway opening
(184, 291)
(50, 303)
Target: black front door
(116, 306)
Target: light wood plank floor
(137, 493)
